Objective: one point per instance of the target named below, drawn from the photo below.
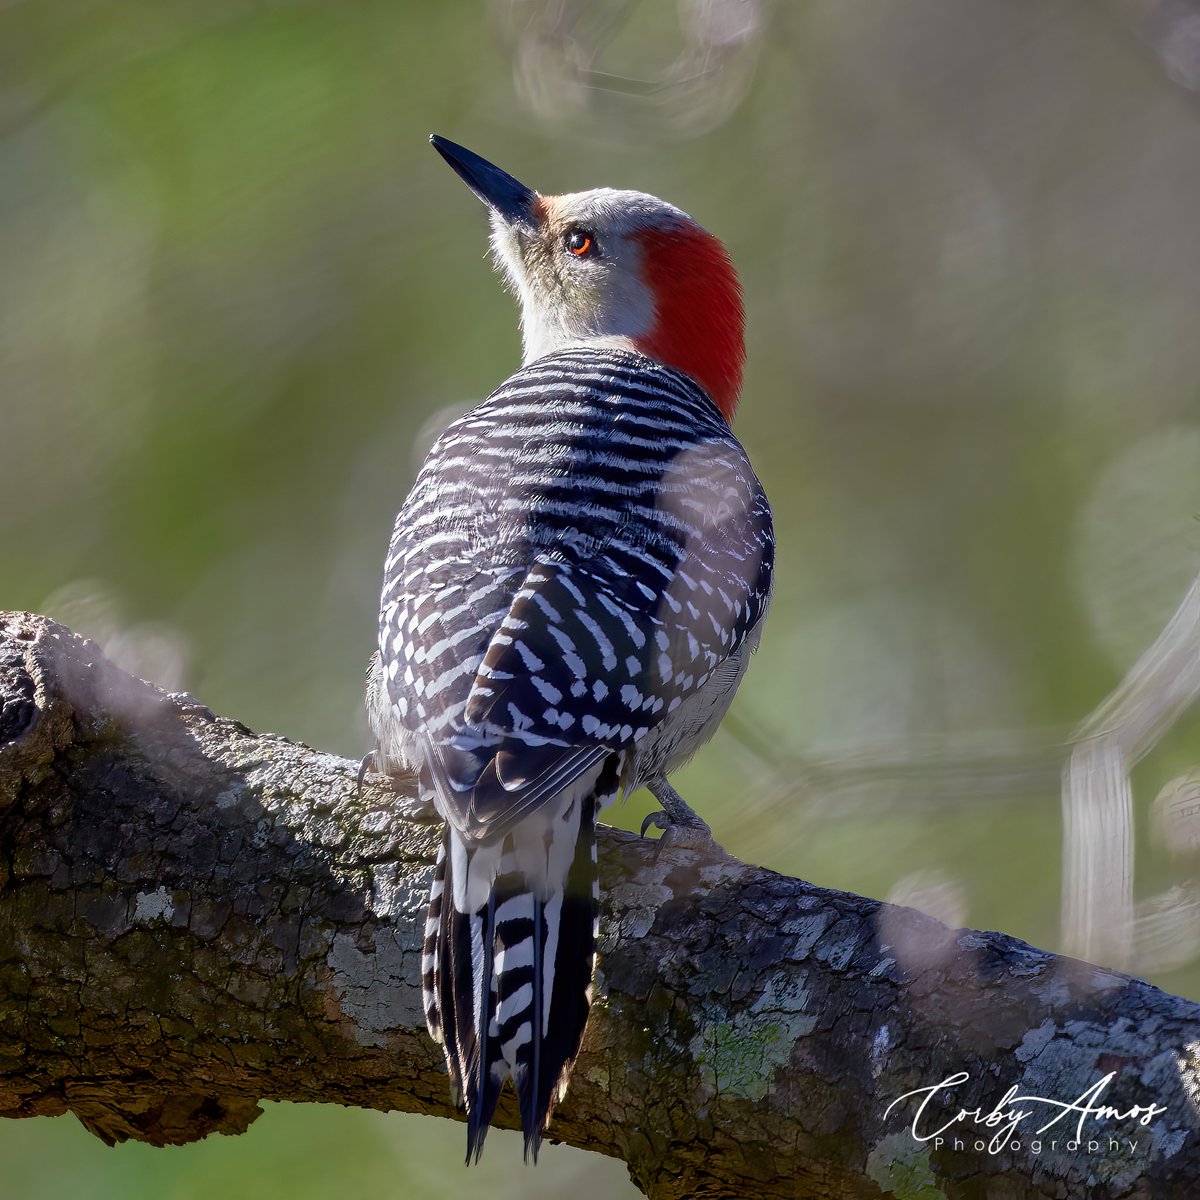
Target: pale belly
(671, 744)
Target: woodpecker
(572, 593)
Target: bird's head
(614, 268)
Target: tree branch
(194, 917)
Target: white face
(576, 267)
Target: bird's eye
(580, 243)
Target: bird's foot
(682, 828)
(690, 835)
(369, 762)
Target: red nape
(698, 326)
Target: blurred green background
(239, 294)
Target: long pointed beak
(496, 188)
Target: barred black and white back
(572, 590)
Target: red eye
(580, 243)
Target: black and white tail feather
(507, 982)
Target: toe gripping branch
(681, 826)
(369, 762)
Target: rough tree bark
(194, 917)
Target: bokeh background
(239, 294)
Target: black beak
(496, 188)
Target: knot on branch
(36, 719)
(57, 690)
(156, 1117)
(17, 708)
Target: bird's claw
(368, 763)
(693, 834)
(682, 828)
(658, 819)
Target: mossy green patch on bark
(739, 1057)
(901, 1167)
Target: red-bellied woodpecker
(573, 590)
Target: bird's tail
(510, 945)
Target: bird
(572, 592)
